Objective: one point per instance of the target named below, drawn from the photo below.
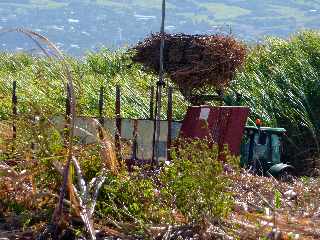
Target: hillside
(79, 25)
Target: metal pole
(134, 156)
(160, 83)
(154, 130)
(169, 119)
(162, 41)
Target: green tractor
(261, 151)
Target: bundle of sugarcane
(193, 61)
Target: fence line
(101, 119)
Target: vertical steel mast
(160, 84)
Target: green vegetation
(40, 88)
(192, 185)
(195, 180)
(224, 12)
(280, 83)
(154, 4)
(191, 189)
(196, 191)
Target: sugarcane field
(159, 119)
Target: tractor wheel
(286, 175)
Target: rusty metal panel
(223, 125)
(195, 123)
(233, 120)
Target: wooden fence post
(151, 115)
(101, 105)
(134, 156)
(118, 122)
(33, 144)
(14, 113)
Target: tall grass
(280, 82)
(39, 84)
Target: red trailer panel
(223, 125)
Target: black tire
(286, 175)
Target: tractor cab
(261, 151)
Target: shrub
(195, 181)
(192, 187)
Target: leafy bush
(195, 181)
(132, 197)
(192, 187)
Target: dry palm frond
(5, 131)
(107, 151)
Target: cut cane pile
(193, 61)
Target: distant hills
(80, 25)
